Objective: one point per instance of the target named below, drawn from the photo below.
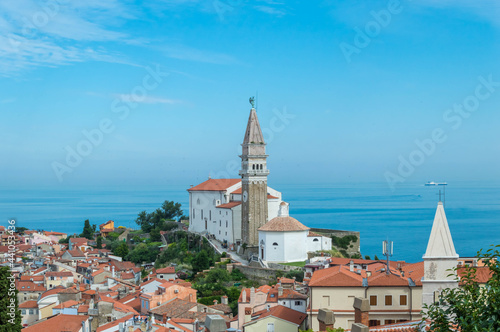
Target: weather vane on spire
(252, 101)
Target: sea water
(403, 216)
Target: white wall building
(215, 208)
(285, 239)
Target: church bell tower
(254, 174)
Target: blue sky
(68, 66)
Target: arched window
(261, 166)
(198, 201)
(315, 240)
(253, 166)
(275, 244)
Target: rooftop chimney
(244, 296)
(326, 319)
(252, 295)
(361, 311)
(280, 291)
(224, 300)
(351, 266)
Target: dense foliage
(344, 241)
(121, 250)
(158, 218)
(10, 316)
(472, 306)
(88, 230)
(218, 282)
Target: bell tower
(253, 174)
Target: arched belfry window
(261, 166)
(198, 201)
(315, 240)
(275, 244)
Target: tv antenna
(387, 249)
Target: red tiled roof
(55, 290)
(483, 273)
(168, 269)
(283, 224)
(67, 304)
(59, 323)
(28, 304)
(114, 323)
(271, 197)
(31, 278)
(335, 277)
(29, 286)
(281, 312)
(83, 309)
(229, 205)
(215, 185)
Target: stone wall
(261, 275)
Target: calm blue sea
(404, 216)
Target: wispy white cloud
(270, 10)
(58, 32)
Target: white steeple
(439, 259)
(440, 243)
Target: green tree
(155, 235)
(99, 242)
(171, 210)
(217, 275)
(10, 316)
(156, 219)
(200, 262)
(367, 257)
(472, 306)
(88, 231)
(121, 250)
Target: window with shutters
(402, 300)
(373, 300)
(388, 300)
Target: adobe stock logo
(427, 146)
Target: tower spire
(254, 172)
(439, 259)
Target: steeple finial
(252, 101)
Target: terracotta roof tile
(168, 270)
(28, 304)
(229, 205)
(215, 185)
(281, 312)
(283, 224)
(59, 323)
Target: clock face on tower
(245, 196)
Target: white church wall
(295, 246)
(202, 207)
(317, 243)
(236, 225)
(272, 252)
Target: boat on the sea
(432, 183)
